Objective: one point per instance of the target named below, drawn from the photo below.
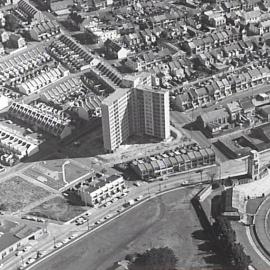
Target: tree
(155, 259)
(3, 207)
(11, 22)
(233, 251)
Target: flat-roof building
(14, 236)
(136, 111)
(101, 191)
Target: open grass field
(168, 220)
(16, 193)
(50, 172)
(58, 209)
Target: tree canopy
(11, 22)
(155, 259)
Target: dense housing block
(178, 160)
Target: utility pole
(88, 225)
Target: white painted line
(255, 247)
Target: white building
(101, 191)
(42, 117)
(13, 140)
(14, 237)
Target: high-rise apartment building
(136, 111)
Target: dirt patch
(58, 209)
(16, 193)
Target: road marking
(250, 239)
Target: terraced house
(102, 190)
(173, 161)
(42, 117)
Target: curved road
(168, 220)
(262, 226)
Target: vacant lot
(169, 220)
(16, 193)
(58, 209)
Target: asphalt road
(168, 220)
(262, 226)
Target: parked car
(185, 183)
(58, 245)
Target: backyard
(16, 193)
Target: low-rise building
(16, 41)
(42, 117)
(146, 61)
(115, 50)
(14, 237)
(29, 10)
(16, 141)
(214, 121)
(101, 34)
(42, 30)
(4, 36)
(249, 17)
(35, 83)
(173, 161)
(2, 20)
(102, 190)
(71, 54)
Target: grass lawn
(58, 209)
(16, 193)
(72, 170)
(49, 172)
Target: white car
(73, 236)
(27, 248)
(66, 240)
(139, 198)
(58, 244)
(42, 253)
(184, 183)
(30, 260)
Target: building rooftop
(11, 232)
(116, 95)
